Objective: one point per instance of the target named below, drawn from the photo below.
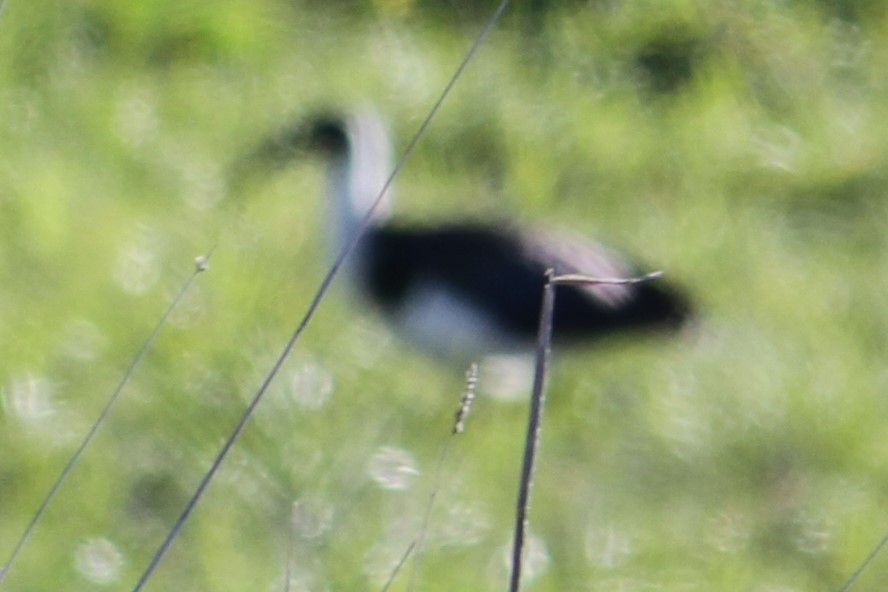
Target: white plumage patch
(438, 320)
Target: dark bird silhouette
(467, 289)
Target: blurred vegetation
(740, 146)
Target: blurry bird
(466, 290)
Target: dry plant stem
(312, 307)
(465, 405)
(200, 265)
(538, 399)
(534, 423)
(575, 279)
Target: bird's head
(358, 133)
(324, 134)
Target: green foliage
(737, 145)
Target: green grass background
(740, 146)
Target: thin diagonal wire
(400, 564)
(313, 305)
(146, 345)
(869, 559)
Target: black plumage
(501, 270)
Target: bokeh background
(739, 145)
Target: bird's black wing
(500, 270)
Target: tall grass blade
(397, 569)
(201, 264)
(459, 426)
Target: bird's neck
(355, 180)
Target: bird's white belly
(446, 324)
